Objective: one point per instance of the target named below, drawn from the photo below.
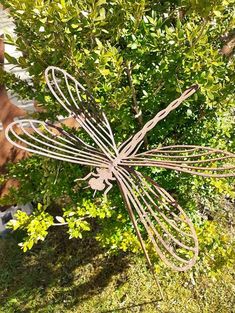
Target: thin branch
(204, 24)
(79, 219)
(66, 223)
(135, 107)
(159, 86)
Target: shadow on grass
(57, 271)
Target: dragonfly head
(116, 161)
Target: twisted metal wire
(139, 136)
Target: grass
(62, 275)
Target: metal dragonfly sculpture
(169, 231)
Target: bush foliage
(166, 46)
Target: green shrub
(97, 41)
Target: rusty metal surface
(170, 233)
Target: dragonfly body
(102, 177)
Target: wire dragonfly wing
(79, 103)
(131, 145)
(197, 160)
(52, 141)
(170, 233)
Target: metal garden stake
(169, 231)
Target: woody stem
(135, 107)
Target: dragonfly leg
(87, 176)
(110, 186)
